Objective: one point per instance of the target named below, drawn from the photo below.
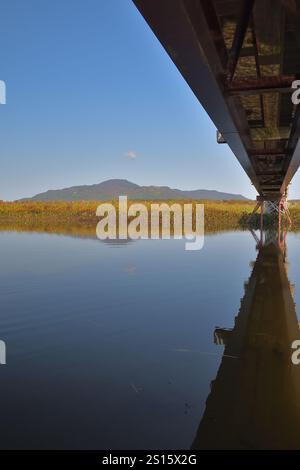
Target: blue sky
(92, 95)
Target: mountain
(112, 189)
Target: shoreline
(81, 215)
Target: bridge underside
(240, 58)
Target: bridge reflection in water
(254, 402)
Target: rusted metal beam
(254, 86)
(292, 6)
(215, 30)
(264, 174)
(270, 187)
(262, 153)
(239, 36)
(272, 196)
(267, 183)
(293, 151)
(261, 100)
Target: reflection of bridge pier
(254, 401)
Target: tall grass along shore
(219, 215)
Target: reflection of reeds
(79, 218)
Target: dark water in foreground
(113, 346)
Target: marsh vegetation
(80, 217)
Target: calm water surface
(113, 346)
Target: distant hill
(112, 189)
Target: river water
(142, 344)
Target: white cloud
(131, 155)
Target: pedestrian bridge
(240, 58)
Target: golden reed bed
(80, 216)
